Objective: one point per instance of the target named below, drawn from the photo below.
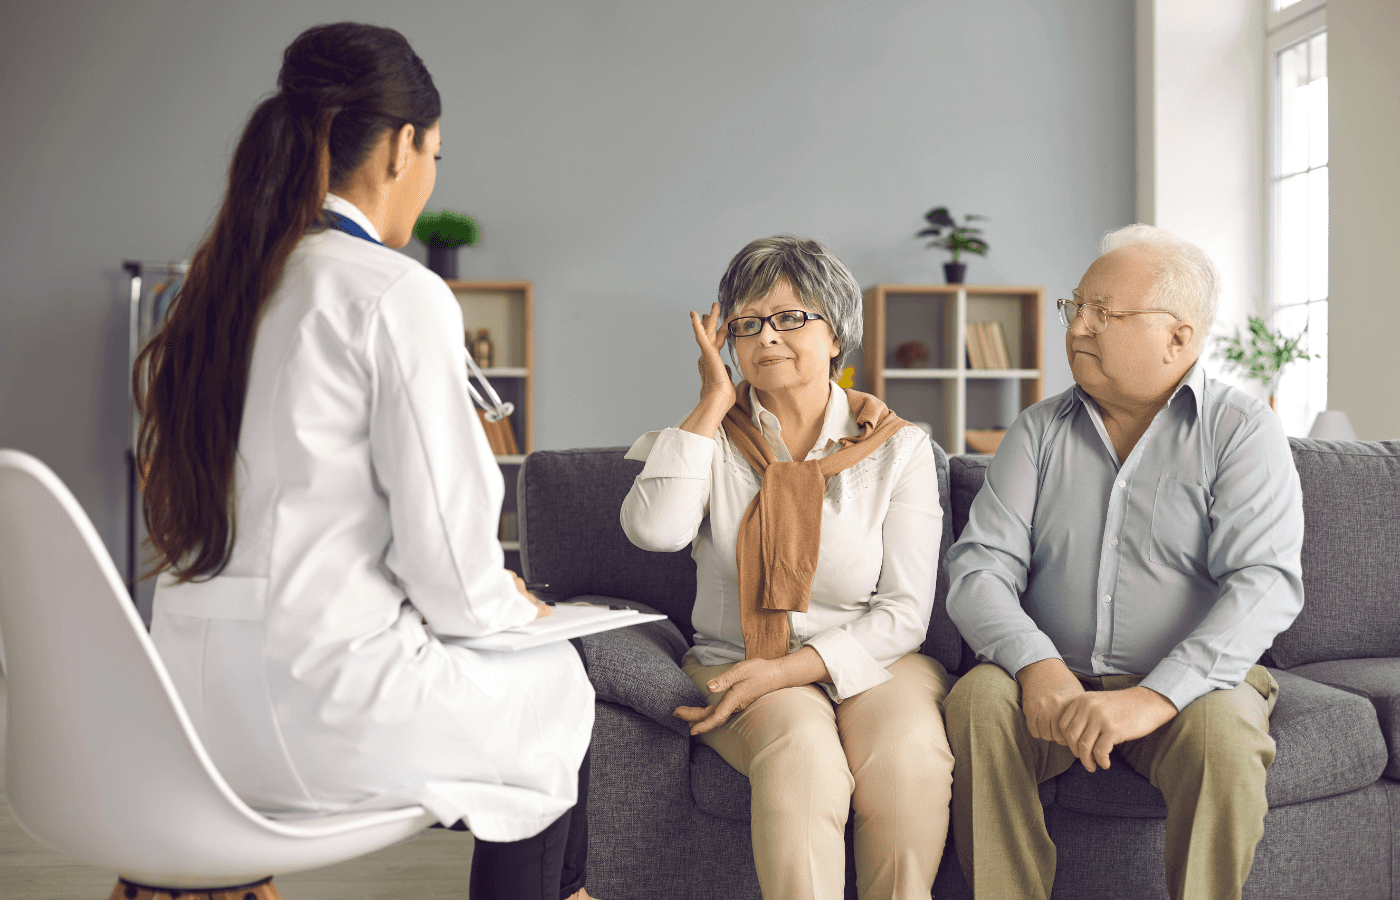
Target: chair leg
(262, 890)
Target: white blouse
(367, 502)
(881, 528)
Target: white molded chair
(102, 762)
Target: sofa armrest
(638, 667)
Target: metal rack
(141, 324)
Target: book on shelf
(975, 359)
(997, 335)
(986, 346)
(500, 435)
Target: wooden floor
(432, 866)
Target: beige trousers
(1209, 762)
(809, 761)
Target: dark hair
(340, 88)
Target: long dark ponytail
(341, 86)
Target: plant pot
(954, 272)
(443, 261)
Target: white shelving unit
(506, 309)
(944, 390)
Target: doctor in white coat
(322, 501)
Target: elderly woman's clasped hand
(746, 681)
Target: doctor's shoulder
(376, 275)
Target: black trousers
(552, 865)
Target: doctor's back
(363, 500)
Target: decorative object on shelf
(483, 351)
(1262, 354)
(510, 526)
(959, 239)
(911, 354)
(984, 440)
(443, 232)
(1332, 425)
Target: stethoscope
(495, 409)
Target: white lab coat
(367, 503)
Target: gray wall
(615, 152)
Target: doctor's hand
(541, 610)
(1093, 723)
(744, 682)
(1047, 687)
(716, 383)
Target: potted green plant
(444, 231)
(1260, 353)
(958, 239)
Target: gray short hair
(1185, 282)
(820, 280)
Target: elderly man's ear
(1180, 343)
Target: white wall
(615, 152)
(1363, 69)
(1201, 126)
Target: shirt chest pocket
(1180, 527)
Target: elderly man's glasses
(787, 320)
(1095, 316)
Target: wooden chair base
(261, 890)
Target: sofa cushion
(717, 787)
(968, 474)
(1329, 743)
(1351, 586)
(943, 642)
(636, 667)
(1378, 680)
(571, 536)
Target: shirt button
(1122, 484)
(1114, 542)
(1107, 598)
(1098, 657)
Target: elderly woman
(814, 521)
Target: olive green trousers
(1209, 762)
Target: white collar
(336, 203)
(838, 423)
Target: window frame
(1284, 29)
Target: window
(1298, 205)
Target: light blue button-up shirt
(1180, 564)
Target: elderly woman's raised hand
(716, 384)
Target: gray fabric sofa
(669, 819)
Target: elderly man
(1134, 550)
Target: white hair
(1184, 280)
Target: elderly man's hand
(1047, 687)
(1097, 721)
(744, 682)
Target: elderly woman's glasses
(1095, 316)
(787, 320)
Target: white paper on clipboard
(564, 623)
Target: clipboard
(566, 622)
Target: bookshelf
(506, 310)
(968, 408)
